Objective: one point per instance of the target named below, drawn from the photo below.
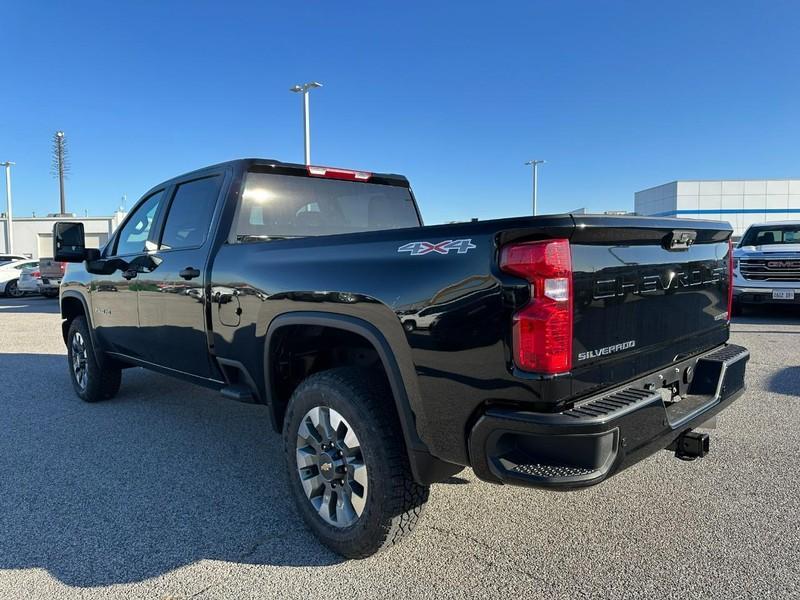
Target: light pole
(9, 216)
(305, 88)
(535, 164)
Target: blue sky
(617, 96)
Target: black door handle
(129, 274)
(189, 273)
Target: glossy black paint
(444, 318)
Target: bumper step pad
(552, 471)
(612, 404)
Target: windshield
(286, 206)
(772, 234)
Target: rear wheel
(348, 467)
(50, 293)
(12, 290)
(90, 382)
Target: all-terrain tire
(394, 501)
(91, 383)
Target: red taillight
(36, 274)
(543, 328)
(333, 173)
(62, 266)
(730, 279)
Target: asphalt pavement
(171, 491)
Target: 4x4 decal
(420, 248)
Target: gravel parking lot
(171, 491)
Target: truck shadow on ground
(786, 381)
(164, 475)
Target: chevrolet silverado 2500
(550, 351)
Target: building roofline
(718, 181)
(658, 186)
(737, 179)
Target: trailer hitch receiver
(692, 445)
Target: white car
(766, 265)
(9, 276)
(7, 258)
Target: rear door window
(190, 213)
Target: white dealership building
(33, 236)
(741, 202)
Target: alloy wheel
(79, 360)
(331, 466)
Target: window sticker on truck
(420, 248)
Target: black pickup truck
(547, 351)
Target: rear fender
(425, 467)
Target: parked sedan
(9, 276)
(30, 280)
(7, 258)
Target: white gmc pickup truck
(766, 265)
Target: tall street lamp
(305, 88)
(535, 164)
(9, 216)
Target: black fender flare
(425, 467)
(99, 355)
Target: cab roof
(287, 168)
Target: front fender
(68, 315)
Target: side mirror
(69, 242)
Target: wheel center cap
(326, 467)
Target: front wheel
(90, 382)
(347, 461)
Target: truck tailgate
(642, 302)
(50, 268)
